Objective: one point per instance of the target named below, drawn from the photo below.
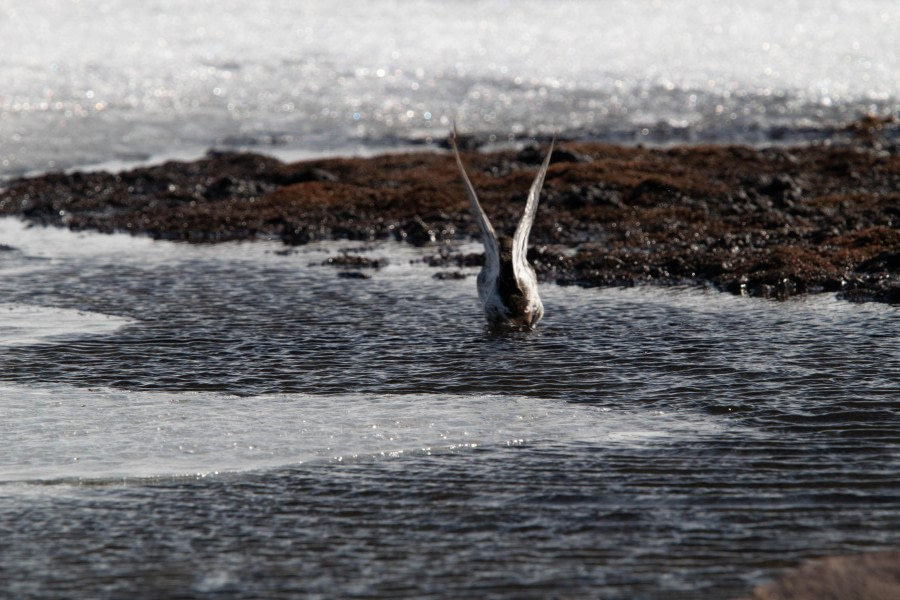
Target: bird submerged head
(516, 294)
(507, 285)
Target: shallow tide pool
(240, 421)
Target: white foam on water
(42, 244)
(60, 432)
(40, 247)
(816, 306)
(23, 325)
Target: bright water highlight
(98, 81)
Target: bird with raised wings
(507, 284)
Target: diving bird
(507, 284)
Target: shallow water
(242, 422)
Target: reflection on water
(641, 443)
(338, 77)
(65, 434)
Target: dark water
(772, 434)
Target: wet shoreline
(772, 222)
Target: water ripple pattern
(256, 425)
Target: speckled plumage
(507, 284)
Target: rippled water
(236, 421)
(95, 81)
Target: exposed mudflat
(771, 222)
(871, 576)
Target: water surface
(97, 81)
(243, 422)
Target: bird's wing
(488, 236)
(520, 239)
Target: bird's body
(507, 284)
